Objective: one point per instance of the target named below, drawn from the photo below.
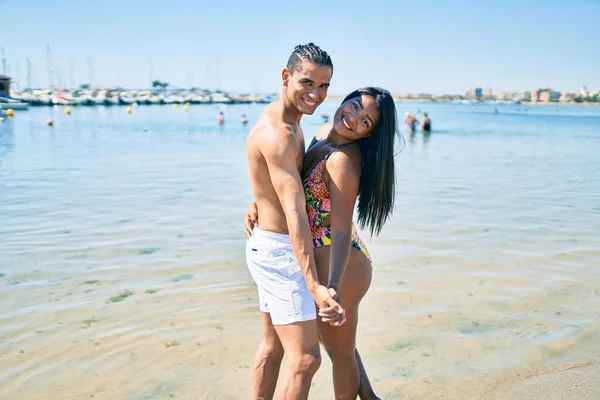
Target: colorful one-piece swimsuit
(318, 206)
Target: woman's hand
(331, 316)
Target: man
(410, 121)
(275, 150)
(280, 253)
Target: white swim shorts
(282, 290)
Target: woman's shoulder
(323, 131)
(346, 157)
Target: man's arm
(251, 219)
(281, 156)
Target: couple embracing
(303, 250)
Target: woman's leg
(365, 391)
(340, 341)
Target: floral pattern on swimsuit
(318, 206)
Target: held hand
(332, 312)
(250, 220)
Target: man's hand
(329, 309)
(251, 219)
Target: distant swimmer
(426, 127)
(244, 119)
(410, 121)
(220, 118)
(325, 117)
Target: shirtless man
(279, 254)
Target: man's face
(307, 85)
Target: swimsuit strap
(313, 171)
(330, 153)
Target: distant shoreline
(475, 102)
(113, 97)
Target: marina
(115, 97)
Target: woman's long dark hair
(377, 181)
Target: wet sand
(578, 380)
(581, 382)
(182, 338)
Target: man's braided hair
(309, 52)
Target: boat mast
(18, 75)
(50, 67)
(28, 74)
(91, 71)
(3, 62)
(72, 76)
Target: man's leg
(283, 294)
(301, 343)
(267, 361)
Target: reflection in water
(426, 137)
(7, 140)
(412, 135)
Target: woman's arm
(343, 168)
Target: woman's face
(356, 118)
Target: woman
(426, 127)
(350, 158)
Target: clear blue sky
(405, 46)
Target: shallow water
(487, 268)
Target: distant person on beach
(220, 118)
(410, 121)
(280, 253)
(426, 127)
